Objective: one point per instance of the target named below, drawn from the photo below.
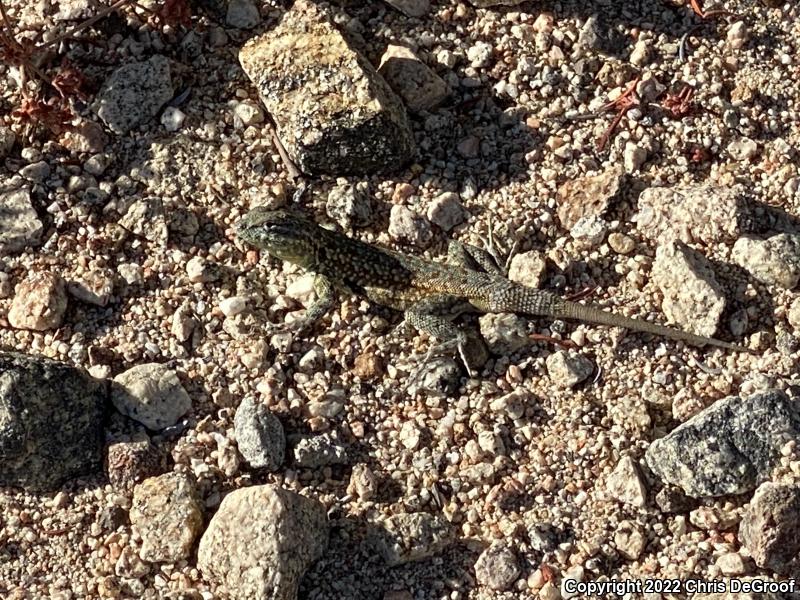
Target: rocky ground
(162, 437)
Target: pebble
(588, 196)
(51, 422)
(151, 394)
(406, 225)
(497, 567)
(403, 538)
(621, 243)
(166, 514)
(199, 270)
(261, 541)
(417, 85)
(134, 93)
(235, 305)
(36, 172)
(768, 528)
(633, 157)
(589, 231)
(172, 118)
(131, 461)
(242, 14)
(692, 297)
(568, 370)
(19, 224)
(743, 149)
(640, 53)
(363, 483)
(446, 211)
(629, 540)
(146, 218)
(39, 303)
(350, 204)
(441, 376)
(93, 287)
(528, 268)
(319, 450)
(774, 261)
(259, 435)
(505, 333)
(729, 448)
(248, 113)
(626, 484)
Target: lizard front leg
(433, 316)
(326, 295)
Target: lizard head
(283, 234)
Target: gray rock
(588, 196)
(134, 93)
(318, 451)
(151, 394)
(408, 537)
(39, 303)
(259, 435)
(19, 224)
(242, 14)
(770, 527)
(51, 422)
(167, 515)
(261, 541)
(774, 261)
(729, 448)
(505, 333)
(406, 225)
(694, 213)
(568, 370)
(446, 211)
(301, 68)
(146, 218)
(349, 204)
(497, 567)
(692, 297)
(420, 88)
(36, 172)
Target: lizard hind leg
(433, 316)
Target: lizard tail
(594, 314)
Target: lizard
(430, 294)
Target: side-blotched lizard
(430, 294)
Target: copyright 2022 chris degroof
(616, 588)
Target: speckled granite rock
(420, 88)
(692, 297)
(774, 261)
(334, 113)
(134, 93)
(39, 302)
(261, 541)
(167, 515)
(259, 435)
(51, 422)
(770, 527)
(696, 213)
(729, 448)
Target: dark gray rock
(259, 435)
(51, 422)
(729, 448)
